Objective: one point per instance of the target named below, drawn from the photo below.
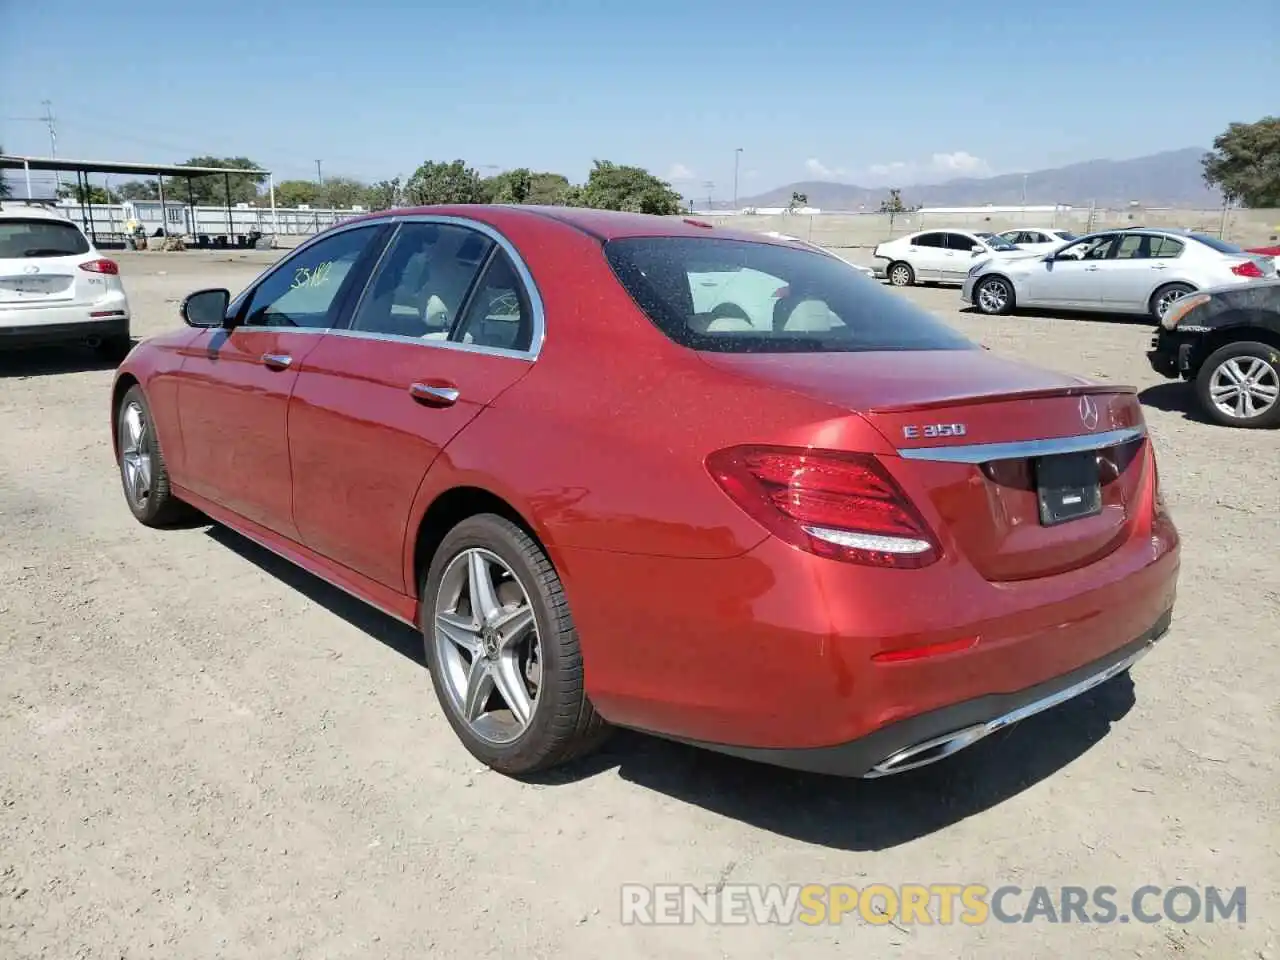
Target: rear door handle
(437, 395)
(1091, 269)
(1159, 266)
(276, 361)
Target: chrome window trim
(1021, 449)
(538, 334)
(237, 301)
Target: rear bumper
(929, 737)
(773, 654)
(69, 326)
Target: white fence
(178, 218)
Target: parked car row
(1130, 271)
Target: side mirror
(206, 308)
(976, 250)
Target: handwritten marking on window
(316, 276)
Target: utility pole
(709, 185)
(737, 155)
(319, 175)
(53, 137)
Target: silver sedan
(1138, 271)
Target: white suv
(55, 288)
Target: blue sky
(876, 94)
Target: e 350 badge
(931, 431)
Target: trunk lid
(974, 435)
(32, 280)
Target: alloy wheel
(993, 297)
(900, 277)
(487, 645)
(135, 453)
(1244, 387)
(1167, 300)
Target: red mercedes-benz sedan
(639, 471)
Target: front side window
(423, 280)
(303, 292)
(767, 298)
(22, 239)
(1089, 248)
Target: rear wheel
(994, 295)
(142, 469)
(1166, 297)
(1239, 385)
(503, 651)
(901, 274)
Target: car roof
(23, 211)
(603, 224)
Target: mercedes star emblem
(1088, 413)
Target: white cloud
(680, 172)
(818, 169)
(939, 167)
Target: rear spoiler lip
(1005, 397)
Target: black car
(1227, 342)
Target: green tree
(548, 189)
(94, 194)
(138, 190)
(797, 200)
(211, 190)
(612, 186)
(293, 193)
(6, 191)
(344, 192)
(385, 194)
(1245, 163)
(893, 206)
(434, 182)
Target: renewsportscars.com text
(926, 904)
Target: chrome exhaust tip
(939, 748)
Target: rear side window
(929, 240)
(736, 296)
(20, 239)
(1215, 244)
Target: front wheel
(1239, 385)
(503, 651)
(993, 296)
(142, 468)
(1164, 298)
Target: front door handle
(437, 395)
(276, 361)
(1091, 269)
(1159, 266)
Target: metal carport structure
(82, 169)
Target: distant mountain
(1170, 179)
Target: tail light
(1247, 269)
(101, 265)
(1158, 508)
(837, 505)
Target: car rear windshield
(1214, 243)
(739, 296)
(40, 238)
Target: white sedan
(1143, 271)
(937, 256)
(55, 287)
(1038, 239)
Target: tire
(900, 274)
(993, 296)
(1165, 296)
(1220, 377)
(144, 477)
(560, 723)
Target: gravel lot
(207, 753)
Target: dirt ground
(207, 753)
